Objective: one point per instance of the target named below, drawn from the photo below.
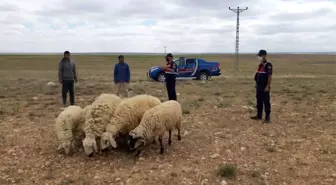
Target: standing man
(263, 78)
(170, 74)
(67, 76)
(122, 76)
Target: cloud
(6, 7)
(293, 29)
(181, 25)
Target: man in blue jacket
(122, 76)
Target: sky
(190, 26)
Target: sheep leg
(127, 138)
(179, 134)
(154, 140)
(137, 154)
(161, 145)
(169, 138)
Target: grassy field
(219, 141)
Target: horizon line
(153, 53)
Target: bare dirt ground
(219, 141)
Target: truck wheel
(161, 77)
(203, 76)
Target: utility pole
(165, 47)
(237, 11)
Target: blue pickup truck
(195, 68)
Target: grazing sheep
(86, 110)
(68, 124)
(126, 117)
(96, 119)
(155, 122)
(102, 98)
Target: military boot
(257, 117)
(267, 119)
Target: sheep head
(107, 140)
(66, 146)
(136, 142)
(90, 145)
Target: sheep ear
(138, 143)
(113, 142)
(132, 135)
(95, 146)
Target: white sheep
(126, 117)
(86, 110)
(155, 122)
(51, 84)
(68, 124)
(96, 119)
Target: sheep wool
(86, 111)
(155, 122)
(96, 118)
(126, 117)
(68, 124)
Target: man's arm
(170, 69)
(269, 81)
(115, 74)
(128, 74)
(74, 72)
(270, 72)
(60, 72)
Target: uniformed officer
(263, 78)
(170, 75)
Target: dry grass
(298, 148)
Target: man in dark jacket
(171, 72)
(122, 75)
(263, 79)
(67, 76)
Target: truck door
(191, 67)
(181, 64)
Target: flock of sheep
(138, 119)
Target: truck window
(177, 62)
(190, 62)
(201, 61)
(180, 62)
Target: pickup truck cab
(195, 68)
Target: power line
(237, 11)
